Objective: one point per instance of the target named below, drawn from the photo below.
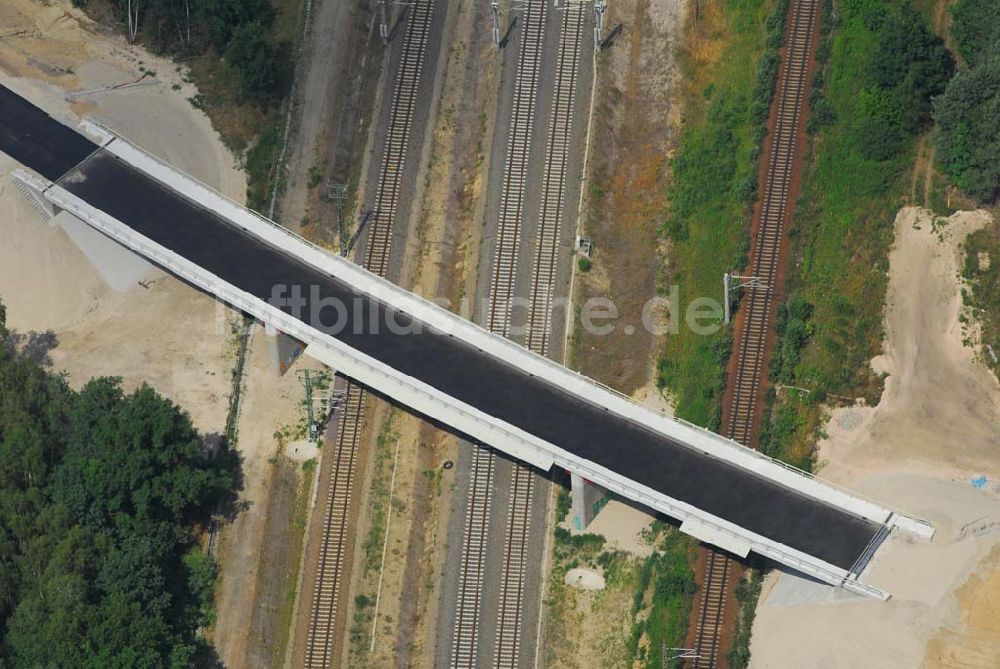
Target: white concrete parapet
(435, 404)
(465, 418)
(31, 188)
(504, 349)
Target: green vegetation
(661, 608)
(238, 53)
(293, 556)
(714, 184)
(649, 599)
(234, 29)
(380, 497)
(968, 114)
(747, 594)
(880, 67)
(584, 264)
(981, 271)
(564, 502)
(975, 28)
(99, 495)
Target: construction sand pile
(162, 332)
(930, 447)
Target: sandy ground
(169, 335)
(270, 404)
(166, 335)
(622, 525)
(584, 579)
(932, 433)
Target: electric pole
(600, 6)
(750, 282)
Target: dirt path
(331, 106)
(933, 431)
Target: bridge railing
(898, 517)
(424, 399)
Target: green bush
(968, 114)
(564, 502)
(907, 67)
(975, 26)
(255, 61)
(878, 129)
(99, 494)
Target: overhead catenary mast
(600, 6)
(495, 10)
(383, 26)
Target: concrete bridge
(440, 365)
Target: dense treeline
(906, 67)
(968, 113)
(234, 29)
(99, 494)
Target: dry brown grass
(627, 200)
(705, 39)
(238, 123)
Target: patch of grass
(831, 325)
(379, 502)
(844, 223)
(261, 162)
(714, 181)
(747, 594)
(981, 271)
(294, 555)
(315, 176)
(572, 550)
(661, 606)
(790, 426)
(564, 502)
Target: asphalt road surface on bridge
(443, 362)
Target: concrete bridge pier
(283, 350)
(588, 499)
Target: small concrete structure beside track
(446, 368)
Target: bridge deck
(36, 140)
(458, 369)
(453, 366)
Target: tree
(878, 129)
(99, 495)
(975, 26)
(255, 60)
(913, 63)
(968, 114)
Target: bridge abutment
(120, 267)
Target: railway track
(752, 340)
(468, 618)
(516, 531)
(404, 102)
(321, 649)
(515, 174)
(556, 165)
